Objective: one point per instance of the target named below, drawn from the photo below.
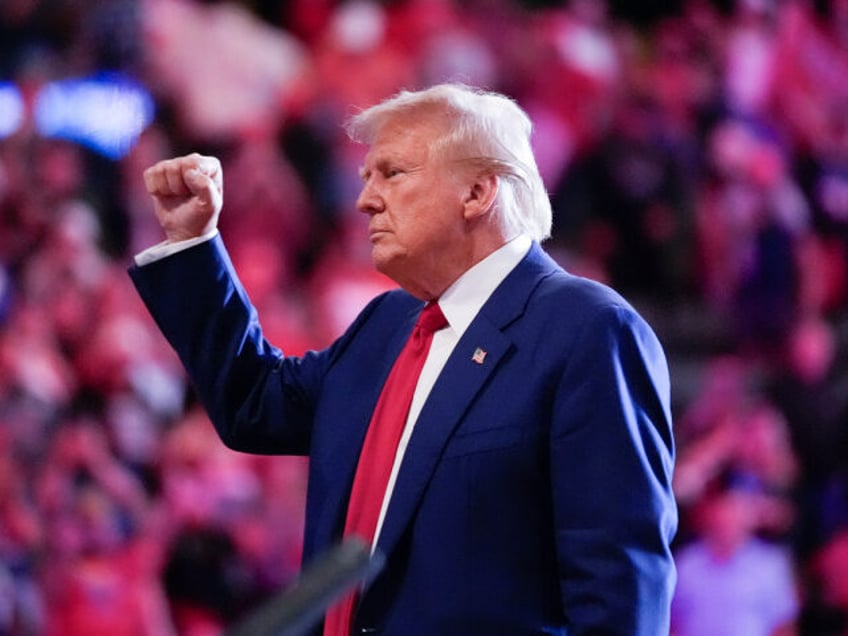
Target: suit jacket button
(368, 630)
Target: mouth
(374, 235)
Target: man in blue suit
(531, 489)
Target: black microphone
(299, 607)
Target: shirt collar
(467, 294)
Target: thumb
(202, 186)
(196, 181)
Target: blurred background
(697, 156)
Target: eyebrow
(382, 163)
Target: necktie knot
(431, 319)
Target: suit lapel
(343, 445)
(461, 379)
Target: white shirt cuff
(167, 248)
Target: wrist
(168, 247)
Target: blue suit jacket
(534, 496)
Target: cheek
(427, 234)
(410, 219)
(427, 217)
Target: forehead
(407, 135)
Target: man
(530, 489)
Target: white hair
(485, 129)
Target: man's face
(415, 204)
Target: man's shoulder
(579, 296)
(553, 299)
(557, 284)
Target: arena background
(697, 157)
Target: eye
(392, 172)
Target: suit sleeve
(611, 466)
(259, 400)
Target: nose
(369, 200)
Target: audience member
(729, 581)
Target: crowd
(698, 163)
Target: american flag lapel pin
(479, 355)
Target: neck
(446, 270)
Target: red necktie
(380, 447)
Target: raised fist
(187, 195)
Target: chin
(385, 259)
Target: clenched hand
(187, 195)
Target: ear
(480, 196)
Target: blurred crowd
(698, 163)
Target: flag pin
(479, 355)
